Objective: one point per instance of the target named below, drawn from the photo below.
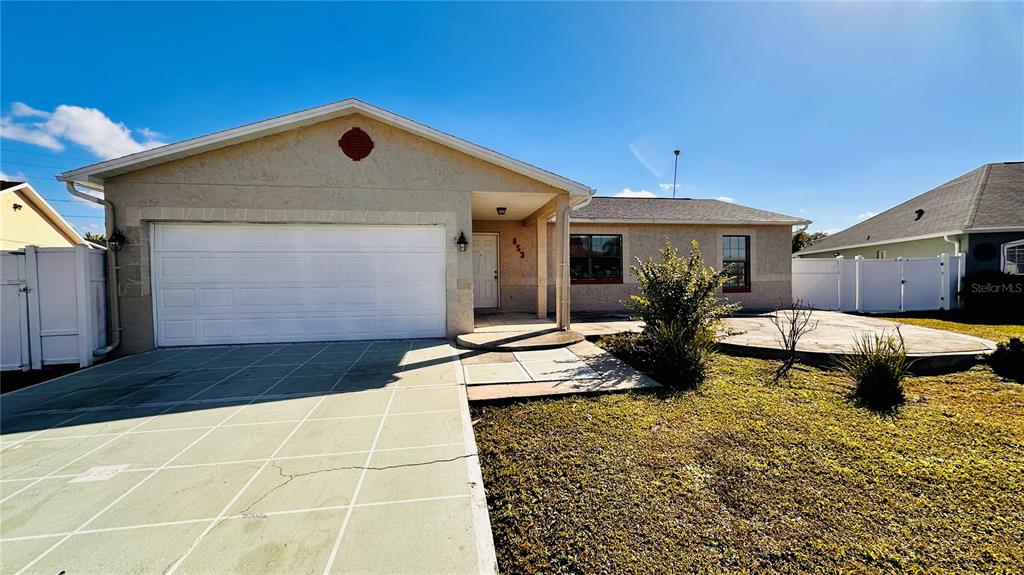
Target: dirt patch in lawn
(743, 474)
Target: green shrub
(623, 346)
(877, 366)
(674, 357)
(1008, 359)
(677, 301)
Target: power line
(6, 161)
(31, 153)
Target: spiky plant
(877, 367)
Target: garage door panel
(280, 282)
(212, 267)
(214, 298)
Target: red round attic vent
(356, 144)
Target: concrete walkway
(523, 323)
(307, 458)
(836, 334)
(581, 368)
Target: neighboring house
(349, 222)
(980, 214)
(609, 234)
(26, 219)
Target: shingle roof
(990, 197)
(677, 211)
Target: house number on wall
(519, 248)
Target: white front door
(485, 270)
(259, 283)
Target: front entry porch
(524, 331)
(518, 257)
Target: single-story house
(980, 214)
(609, 234)
(347, 221)
(27, 219)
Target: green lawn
(992, 327)
(744, 475)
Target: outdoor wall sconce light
(116, 241)
(16, 207)
(501, 211)
(462, 242)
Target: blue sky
(831, 111)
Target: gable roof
(988, 198)
(94, 175)
(677, 211)
(44, 207)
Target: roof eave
(813, 250)
(52, 214)
(794, 222)
(95, 174)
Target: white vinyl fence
(875, 286)
(53, 308)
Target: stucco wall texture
(770, 262)
(302, 176)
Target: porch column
(562, 273)
(542, 267)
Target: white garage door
(259, 283)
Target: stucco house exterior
(980, 214)
(347, 221)
(27, 219)
(609, 234)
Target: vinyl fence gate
(876, 286)
(53, 306)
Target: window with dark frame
(736, 263)
(595, 258)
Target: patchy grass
(745, 475)
(987, 325)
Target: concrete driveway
(304, 458)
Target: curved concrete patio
(836, 332)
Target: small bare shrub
(793, 323)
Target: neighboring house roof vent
(918, 213)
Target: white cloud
(93, 130)
(866, 215)
(29, 133)
(725, 199)
(667, 187)
(21, 110)
(15, 177)
(628, 193)
(636, 154)
(87, 127)
(830, 231)
(150, 134)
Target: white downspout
(956, 244)
(113, 301)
